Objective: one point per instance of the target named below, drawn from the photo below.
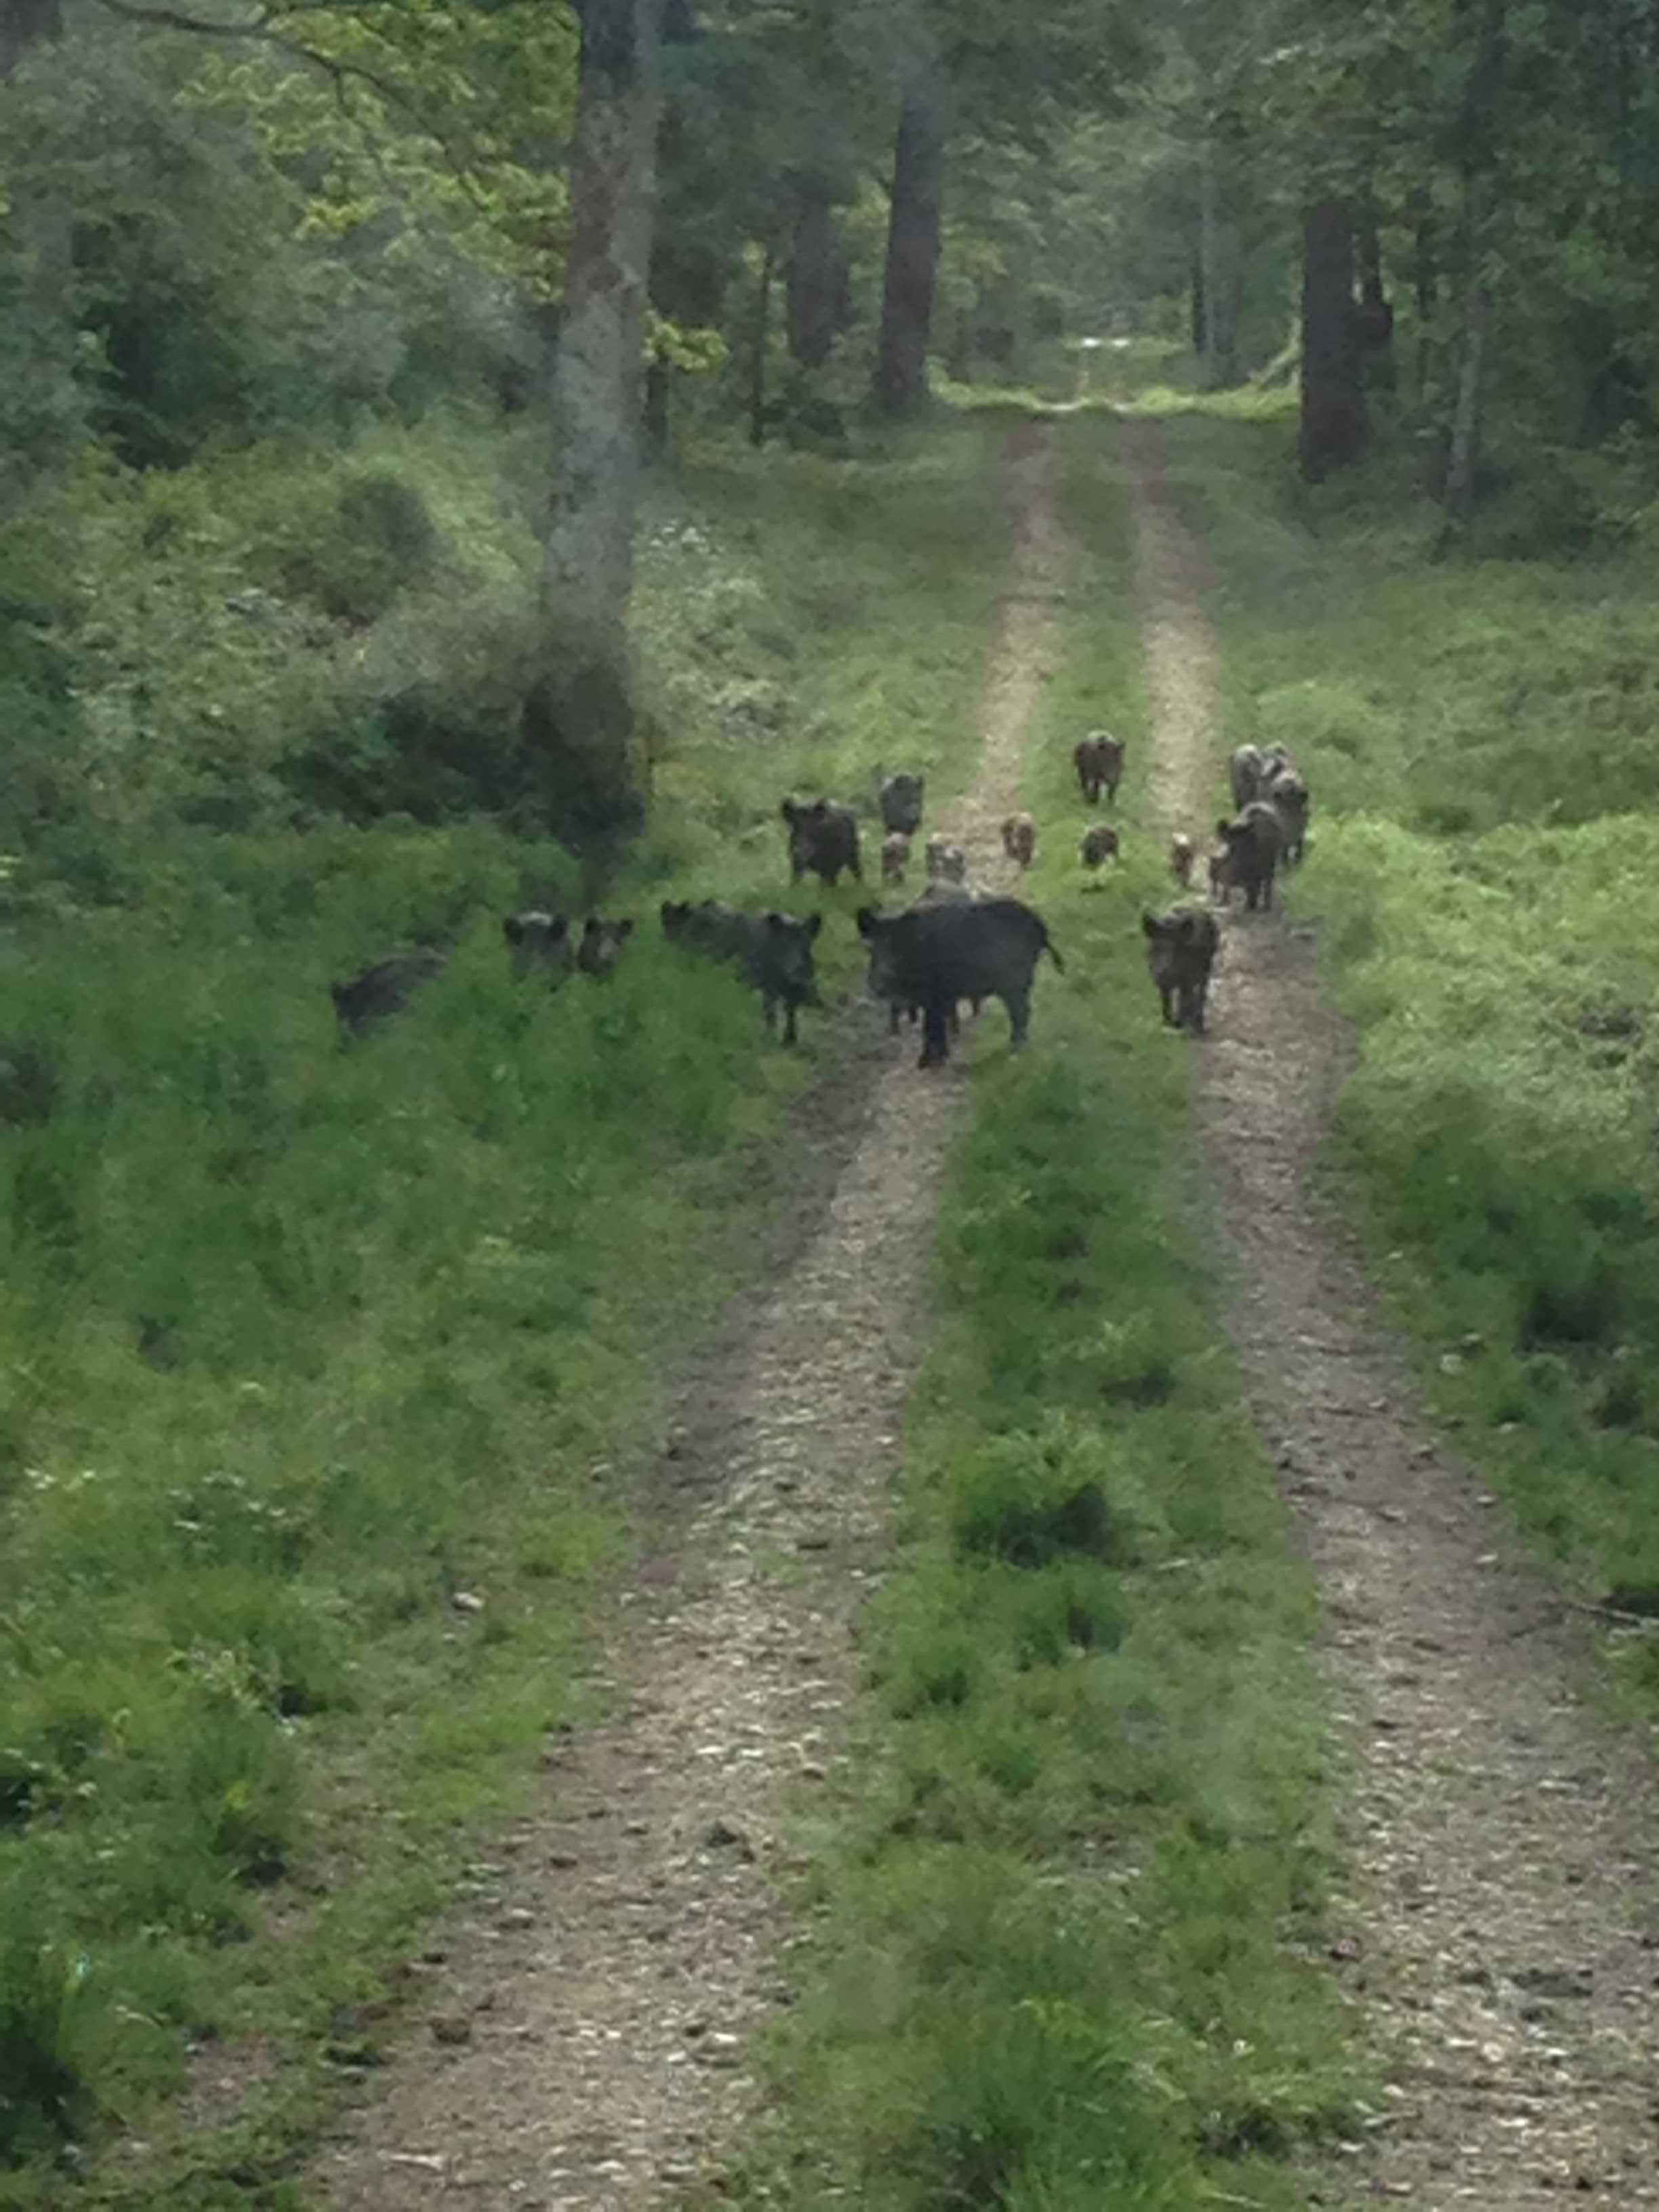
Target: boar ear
(1222, 827)
(1149, 923)
(866, 918)
(788, 810)
(591, 926)
(625, 928)
(815, 922)
(512, 930)
(556, 925)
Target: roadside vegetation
(321, 1363)
(1066, 1949)
(1479, 735)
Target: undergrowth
(1064, 1952)
(1479, 737)
(319, 1362)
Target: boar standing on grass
(823, 839)
(900, 800)
(1019, 839)
(1099, 845)
(1253, 844)
(384, 989)
(1182, 856)
(1181, 949)
(538, 943)
(1098, 759)
(602, 945)
(774, 952)
(948, 949)
(895, 857)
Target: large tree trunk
(580, 725)
(913, 251)
(1333, 400)
(1376, 315)
(1426, 277)
(816, 276)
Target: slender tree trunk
(1217, 286)
(757, 339)
(913, 250)
(1199, 319)
(816, 277)
(1333, 426)
(41, 223)
(1465, 454)
(578, 724)
(1376, 315)
(1426, 277)
(659, 405)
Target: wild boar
(1254, 841)
(1098, 759)
(602, 945)
(901, 799)
(953, 865)
(933, 853)
(1220, 887)
(1181, 949)
(1099, 845)
(824, 838)
(773, 951)
(386, 988)
(1019, 839)
(1244, 772)
(539, 942)
(936, 954)
(1181, 857)
(1287, 795)
(895, 857)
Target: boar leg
(935, 1032)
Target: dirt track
(586, 2040)
(1503, 1842)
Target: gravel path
(1501, 1840)
(587, 2038)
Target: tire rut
(1501, 1885)
(588, 2042)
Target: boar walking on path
(1254, 841)
(895, 857)
(1099, 760)
(823, 839)
(901, 799)
(1099, 845)
(1287, 795)
(1180, 950)
(1245, 771)
(1181, 857)
(1019, 839)
(774, 952)
(936, 954)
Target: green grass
(302, 1345)
(1479, 738)
(1065, 1945)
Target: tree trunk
(1376, 315)
(816, 276)
(757, 352)
(1425, 275)
(659, 405)
(1465, 450)
(1200, 320)
(1334, 425)
(1218, 284)
(913, 252)
(579, 724)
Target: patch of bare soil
(586, 2041)
(1501, 1840)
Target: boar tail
(1053, 951)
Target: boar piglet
(953, 865)
(538, 943)
(1181, 949)
(1254, 841)
(602, 945)
(894, 856)
(1099, 845)
(934, 955)
(773, 951)
(823, 839)
(1019, 839)
(384, 989)
(1099, 760)
(1182, 856)
(900, 798)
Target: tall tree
(579, 723)
(914, 237)
(1333, 426)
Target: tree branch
(260, 28)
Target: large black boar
(384, 989)
(948, 949)
(1253, 844)
(539, 942)
(900, 799)
(1287, 795)
(1181, 949)
(602, 945)
(774, 952)
(824, 838)
(1244, 772)
(1099, 760)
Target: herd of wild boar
(952, 943)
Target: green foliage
(1477, 740)
(1050, 1964)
